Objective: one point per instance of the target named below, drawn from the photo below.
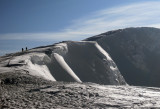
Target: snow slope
(83, 61)
(136, 52)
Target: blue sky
(34, 23)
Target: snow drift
(65, 66)
(84, 61)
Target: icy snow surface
(24, 64)
(80, 61)
(103, 51)
(62, 45)
(30, 92)
(105, 54)
(65, 66)
(113, 68)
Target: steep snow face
(91, 63)
(84, 61)
(136, 51)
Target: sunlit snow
(65, 66)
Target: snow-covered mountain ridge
(83, 61)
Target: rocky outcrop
(32, 92)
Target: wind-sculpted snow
(70, 61)
(32, 63)
(90, 64)
(103, 51)
(64, 65)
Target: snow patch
(103, 51)
(37, 62)
(113, 68)
(42, 70)
(65, 66)
(41, 49)
(62, 46)
(99, 87)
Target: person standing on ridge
(22, 49)
(26, 49)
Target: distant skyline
(34, 23)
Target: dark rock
(136, 52)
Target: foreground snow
(26, 91)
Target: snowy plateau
(77, 74)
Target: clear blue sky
(23, 16)
(41, 22)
